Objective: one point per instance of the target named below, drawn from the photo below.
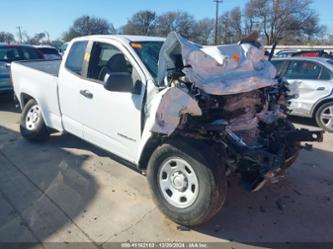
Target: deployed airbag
(174, 103)
(217, 70)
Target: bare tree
(287, 21)
(235, 21)
(226, 35)
(165, 23)
(250, 23)
(311, 27)
(87, 25)
(203, 31)
(36, 39)
(231, 29)
(185, 24)
(179, 21)
(6, 37)
(141, 23)
(278, 19)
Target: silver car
(312, 81)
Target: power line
(217, 20)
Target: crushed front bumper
(259, 165)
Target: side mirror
(7, 65)
(119, 82)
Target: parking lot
(66, 190)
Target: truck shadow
(298, 209)
(72, 142)
(40, 193)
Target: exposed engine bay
(228, 97)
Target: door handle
(86, 94)
(320, 88)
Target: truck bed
(47, 66)
(39, 79)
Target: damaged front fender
(227, 97)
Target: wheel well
(319, 105)
(148, 150)
(156, 141)
(25, 99)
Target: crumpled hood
(217, 70)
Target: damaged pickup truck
(187, 115)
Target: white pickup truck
(185, 114)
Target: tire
(32, 125)
(181, 162)
(324, 116)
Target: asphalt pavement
(65, 191)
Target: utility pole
(20, 32)
(217, 21)
(48, 36)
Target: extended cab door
(111, 107)
(311, 81)
(70, 81)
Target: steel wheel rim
(326, 117)
(33, 117)
(178, 182)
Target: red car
(310, 53)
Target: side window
(30, 53)
(106, 59)
(325, 74)
(304, 70)
(75, 57)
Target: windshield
(9, 54)
(149, 54)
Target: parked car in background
(10, 53)
(310, 53)
(49, 52)
(285, 53)
(63, 48)
(311, 80)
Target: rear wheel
(188, 183)
(324, 116)
(32, 125)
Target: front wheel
(324, 116)
(188, 182)
(32, 125)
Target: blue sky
(55, 16)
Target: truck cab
(102, 85)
